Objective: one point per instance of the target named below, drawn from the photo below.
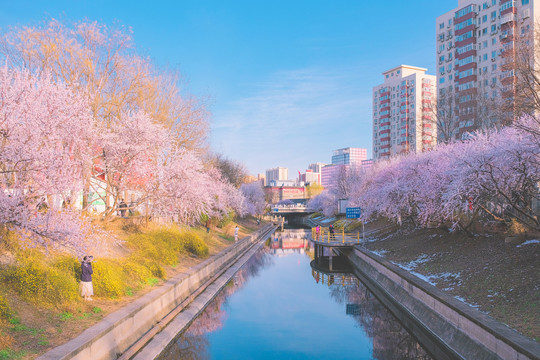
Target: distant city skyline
(287, 82)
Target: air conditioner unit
(526, 14)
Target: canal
(278, 307)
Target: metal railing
(326, 236)
(334, 279)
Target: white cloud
(294, 118)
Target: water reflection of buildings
(194, 344)
(290, 241)
(390, 339)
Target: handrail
(332, 238)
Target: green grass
(226, 237)
(8, 354)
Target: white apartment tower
(476, 48)
(277, 174)
(403, 112)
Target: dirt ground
(37, 330)
(500, 278)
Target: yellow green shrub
(35, 281)
(135, 273)
(68, 265)
(156, 245)
(107, 279)
(151, 264)
(5, 309)
(194, 244)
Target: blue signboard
(353, 213)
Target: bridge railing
(331, 279)
(342, 237)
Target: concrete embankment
(119, 330)
(448, 328)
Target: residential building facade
(476, 52)
(403, 112)
(277, 174)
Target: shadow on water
(333, 315)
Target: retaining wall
(448, 328)
(116, 332)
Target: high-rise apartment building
(277, 174)
(476, 52)
(349, 156)
(403, 112)
(342, 160)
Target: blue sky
(287, 81)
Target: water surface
(278, 307)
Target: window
(493, 41)
(524, 2)
(484, 18)
(466, 10)
(465, 48)
(493, 28)
(484, 58)
(484, 31)
(464, 24)
(485, 44)
(493, 15)
(465, 36)
(441, 80)
(467, 60)
(493, 67)
(507, 5)
(441, 25)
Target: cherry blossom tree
(184, 188)
(44, 134)
(491, 176)
(255, 202)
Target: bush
(135, 273)
(151, 264)
(5, 309)
(68, 265)
(107, 279)
(35, 281)
(194, 244)
(157, 245)
(516, 228)
(226, 219)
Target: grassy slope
(32, 329)
(499, 278)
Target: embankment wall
(448, 328)
(116, 332)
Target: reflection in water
(285, 314)
(390, 339)
(194, 343)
